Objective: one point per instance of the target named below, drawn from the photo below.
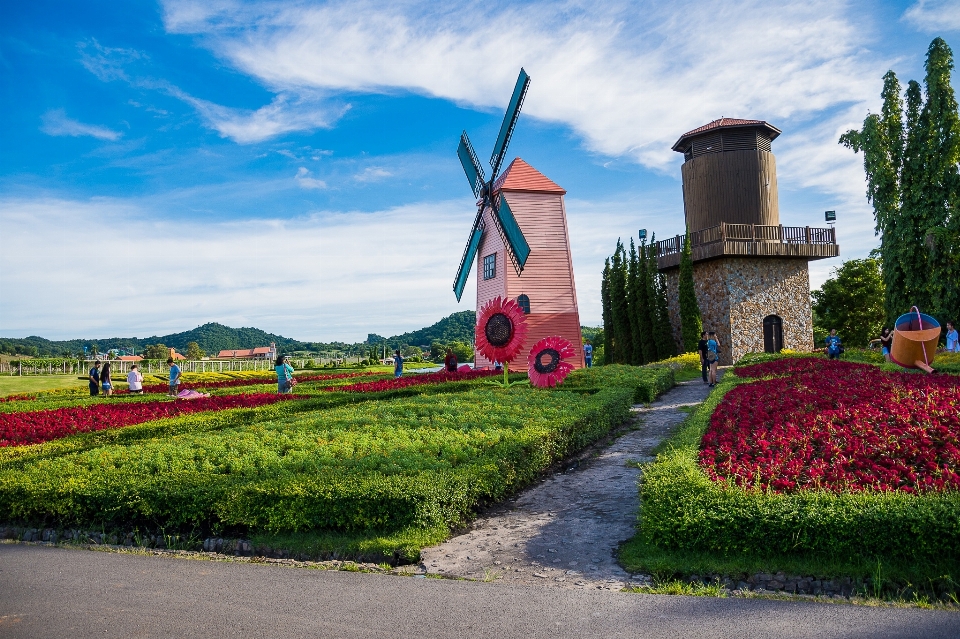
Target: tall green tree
(623, 344)
(659, 316)
(607, 313)
(648, 347)
(691, 324)
(911, 157)
(852, 302)
(633, 301)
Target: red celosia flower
(546, 362)
(836, 426)
(501, 330)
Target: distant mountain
(213, 338)
(458, 327)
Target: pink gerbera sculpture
(501, 331)
(547, 362)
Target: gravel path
(564, 532)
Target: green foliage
(852, 302)
(622, 334)
(458, 327)
(648, 345)
(657, 303)
(633, 303)
(911, 155)
(156, 351)
(194, 351)
(647, 382)
(592, 333)
(463, 351)
(691, 324)
(607, 316)
(684, 510)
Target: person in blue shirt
(713, 356)
(833, 345)
(95, 380)
(285, 381)
(397, 364)
(175, 375)
(953, 340)
(588, 353)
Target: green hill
(458, 327)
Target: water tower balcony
(750, 240)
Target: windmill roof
(726, 123)
(520, 176)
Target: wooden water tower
(750, 271)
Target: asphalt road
(59, 592)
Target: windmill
(504, 220)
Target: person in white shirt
(953, 340)
(135, 380)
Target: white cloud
(56, 122)
(107, 63)
(284, 114)
(934, 15)
(319, 277)
(372, 174)
(307, 182)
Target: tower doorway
(772, 334)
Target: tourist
(397, 364)
(95, 379)
(175, 376)
(702, 349)
(713, 356)
(106, 382)
(834, 345)
(450, 361)
(886, 344)
(285, 380)
(588, 353)
(953, 341)
(498, 367)
(135, 380)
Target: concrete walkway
(565, 531)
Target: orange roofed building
(545, 289)
(261, 352)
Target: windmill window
(490, 266)
(524, 303)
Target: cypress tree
(666, 347)
(607, 313)
(913, 258)
(690, 322)
(633, 302)
(619, 307)
(647, 345)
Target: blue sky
(292, 165)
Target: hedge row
(414, 459)
(682, 509)
(648, 382)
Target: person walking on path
(953, 340)
(588, 353)
(834, 345)
(397, 364)
(713, 356)
(106, 382)
(135, 380)
(702, 349)
(95, 379)
(886, 344)
(175, 375)
(285, 380)
(450, 361)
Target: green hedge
(684, 510)
(648, 382)
(421, 460)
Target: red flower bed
(836, 426)
(411, 380)
(18, 429)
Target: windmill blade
(509, 122)
(511, 234)
(469, 253)
(471, 165)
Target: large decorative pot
(915, 338)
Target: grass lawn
(15, 384)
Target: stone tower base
(735, 294)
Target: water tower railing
(748, 233)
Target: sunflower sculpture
(547, 365)
(501, 331)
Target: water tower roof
(725, 123)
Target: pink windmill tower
(520, 240)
